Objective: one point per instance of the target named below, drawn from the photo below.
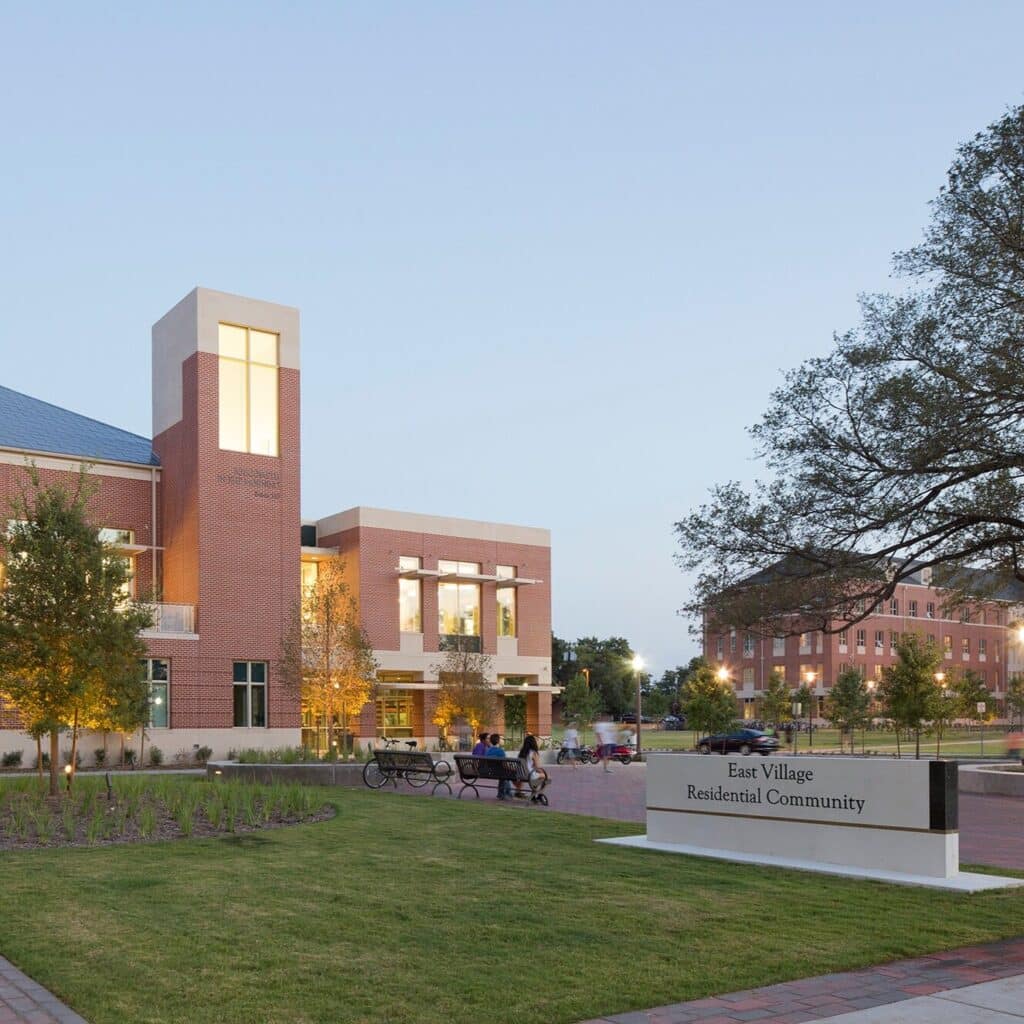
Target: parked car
(629, 718)
(673, 723)
(742, 741)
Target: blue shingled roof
(38, 426)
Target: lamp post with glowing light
(940, 679)
(722, 675)
(638, 664)
(871, 684)
(809, 679)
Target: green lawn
(420, 910)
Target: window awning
(517, 581)
(417, 574)
(309, 554)
(465, 577)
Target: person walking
(605, 741)
(495, 749)
(571, 745)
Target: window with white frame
(410, 596)
(748, 645)
(912, 609)
(879, 641)
(250, 694)
(157, 674)
(778, 646)
(247, 390)
(894, 606)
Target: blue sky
(550, 257)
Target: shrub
(46, 761)
(129, 756)
(156, 756)
(65, 756)
(12, 759)
(232, 755)
(100, 757)
(203, 754)
(183, 756)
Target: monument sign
(878, 818)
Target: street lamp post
(810, 712)
(722, 675)
(638, 664)
(798, 710)
(864, 730)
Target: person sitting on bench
(530, 753)
(496, 750)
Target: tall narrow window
(248, 390)
(506, 601)
(250, 693)
(410, 596)
(157, 675)
(458, 602)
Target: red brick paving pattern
(831, 994)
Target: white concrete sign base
(962, 881)
(885, 819)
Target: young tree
(846, 706)
(972, 693)
(326, 655)
(946, 708)
(908, 689)
(68, 638)
(708, 703)
(900, 450)
(463, 688)
(1015, 699)
(580, 703)
(776, 703)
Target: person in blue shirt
(496, 750)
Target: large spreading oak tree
(903, 448)
(69, 641)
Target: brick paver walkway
(813, 999)
(22, 1001)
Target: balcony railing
(172, 618)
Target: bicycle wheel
(417, 779)
(373, 776)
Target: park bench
(491, 771)
(416, 767)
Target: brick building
(207, 513)
(981, 636)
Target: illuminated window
(111, 536)
(506, 601)
(458, 603)
(127, 588)
(250, 694)
(156, 673)
(965, 647)
(394, 716)
(310, 574)
(248, 390)
(748, 677)
(947, 646)
(410, 597)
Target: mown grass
(429, 910)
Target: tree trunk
(917, 744)
(39, 755)
(142, 747)
(54, 762)
(899, 753)
(74, 751)
(122, 750)
(344, 731)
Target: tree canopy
(903, 448)
(69, 640)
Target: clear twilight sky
(551, 257)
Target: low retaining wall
(308, 774)
(988, 781)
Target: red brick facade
(226, 545)
(976, 637)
